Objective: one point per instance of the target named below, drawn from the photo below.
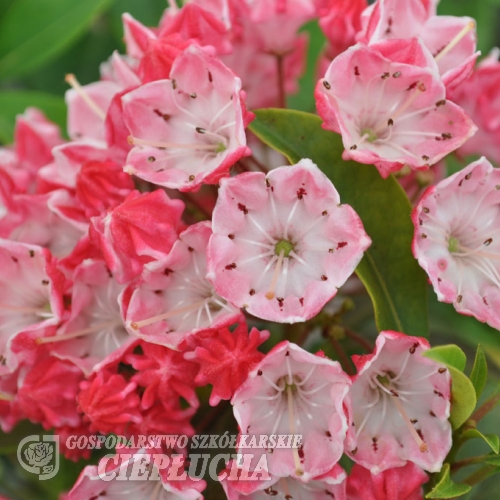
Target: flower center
(369, 135)
(284, 245)
(453, 244)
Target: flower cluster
(145, 257)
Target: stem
(344, 359)
(281, 82)
(367, 346)
(481, 475)
(487, 406)
(258, 164)
(468, 461)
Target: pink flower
(451, 39)
(329, 486)
(128, 234)
(399, 483)
(164, 374)
(48, 393)
(31, 289)
(480, 98)
(148, 481)
(294, 392)
(190, 129)
(95, 333)
(225, 358)
(283, 244)
(389, 104)
(174, 299)
(109, 403)
(400, 407)
(456, 240)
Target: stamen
(168, 145)
(43, 313)
(421, 444)
(6, 397)
(136, 325)
(456, 40)
(291, 421)
(71, 80)
(274, 281)
(80, 333)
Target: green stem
(359, 339)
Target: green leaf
(32, 33)
(463, 398)
(395, 282)
(479, 372)
(15, 102)
(445, 488)
(493, 460)
(491, 440)
(449, 355)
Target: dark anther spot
(280, 301)
(421, 86)
(425, 210)
(468, 176)
(45, 282)
(268, 184)
(192, 178)
(167, 271)
(488, 242)
(301, 300)
(425, 158)
(174, 84)
(356, 70)
(342, 244)
(353, 147)
(397, 74)
(328, 434)
(325, 212)
(442, 102)
(230, 236)
(324, 277)
(300, 193)
(210, 78)
(424, 236)
(252, 291)
(432, 414)
(385, 76)
(231, 266)
(200, 130)
(326, 85)
(259, 373)
(390, 122)
(414, 420)
(243, 208)
(459, 299)
(442, 370)
(14, 259)
(32, 253)
(191, 249)
(193, 95)
(151, 159)
(158, 292)
(413, 348)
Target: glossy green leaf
(463, 398)
(14, 102)
(450, 355)
(445, 488)
(32, 33)
(479, 372)
(492, 440)
(395, 282)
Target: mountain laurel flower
(282, 243)
(174, 299)
(457, 242)
(400, 407)
(399, 483)
(389, 103)
(189, 129)
(292, 391)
